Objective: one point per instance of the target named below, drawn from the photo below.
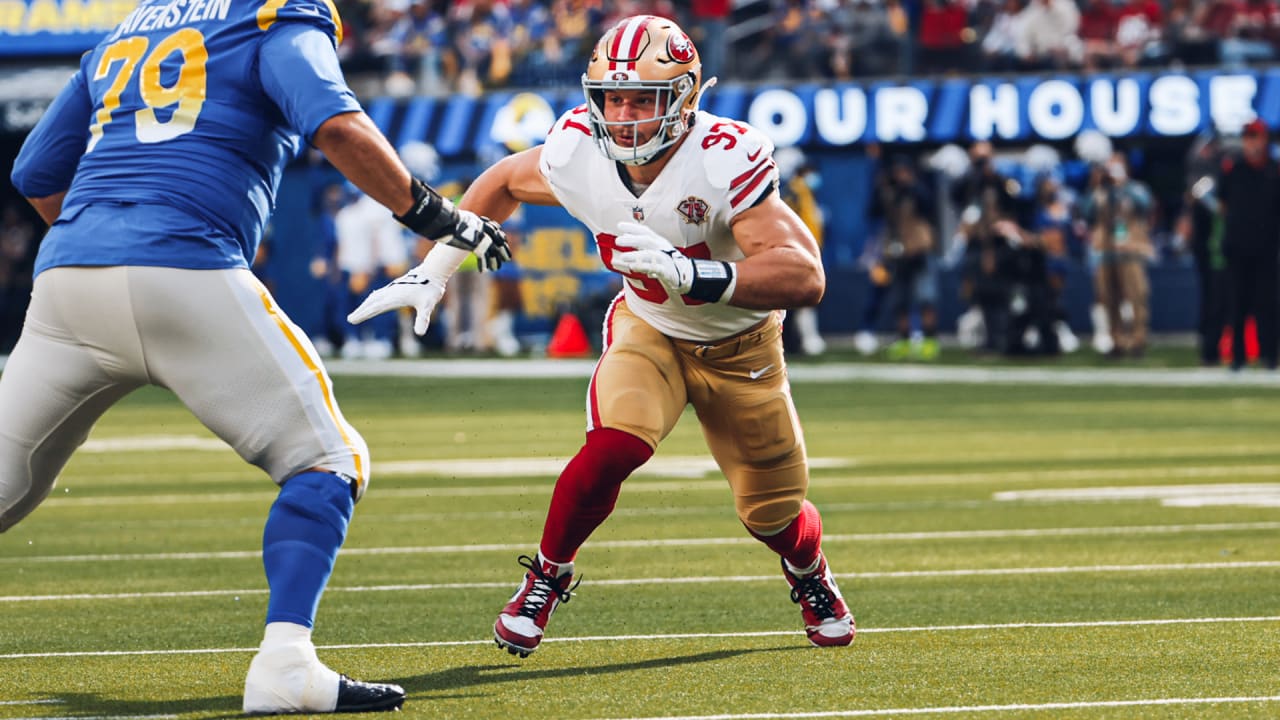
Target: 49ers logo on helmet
(693, 210)
(680, 47)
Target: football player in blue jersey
(157, 167)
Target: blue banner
(1003, 109)
(57, 27)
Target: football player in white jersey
(684, 205)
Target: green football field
(1022, 549)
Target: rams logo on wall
(523, 122)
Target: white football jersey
(722, 168)
(369, 238)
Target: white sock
(560, 568)
(285, 633)
(801, 572)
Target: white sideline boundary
(1020, 707)
(1084, 624)
(492, 368)
(828, 373)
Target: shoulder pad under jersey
(565, 137)
(738, 159)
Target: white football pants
(216, 338)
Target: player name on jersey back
(158, 15)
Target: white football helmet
(644, 52)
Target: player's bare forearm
(504, 185)
(49, 207)
(355, 146)
(780, 277)
(783, 267)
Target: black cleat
(355, 696)
(511, 648)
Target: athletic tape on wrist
(432, 216)
(712, 280)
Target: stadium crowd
(440, 46)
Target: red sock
(801, 541)
(588, 488)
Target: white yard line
(95, 717)
(678, 636)
(1110, 530)
(691, 484)
(952, 709)
(666, 581)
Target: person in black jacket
(1201, 224)
(1249, 192)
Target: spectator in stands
(1201, 40)
(863, 41)
(1047, 34)
(363, 23)
(576, 23)
(1249, 191)
(1001, 37)
(1117, 209)
(902, 28)
(944, 38)
(530, 26)
(708, 22)
(419, 50)
(618, 10)
(797, 33)
(536, 49)
(1139, 25)
(1256, 33)
(1098, 35)
(482, 29)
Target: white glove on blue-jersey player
(655, 257)
(418, 289)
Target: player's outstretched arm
(361, 153)
(495, 194)
(504, 185)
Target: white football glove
(417, 289)
(655, 257)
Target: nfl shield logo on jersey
(637, 212)
(693, 210)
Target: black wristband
(431, 216)
(711, 278)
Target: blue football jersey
(171, 139)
